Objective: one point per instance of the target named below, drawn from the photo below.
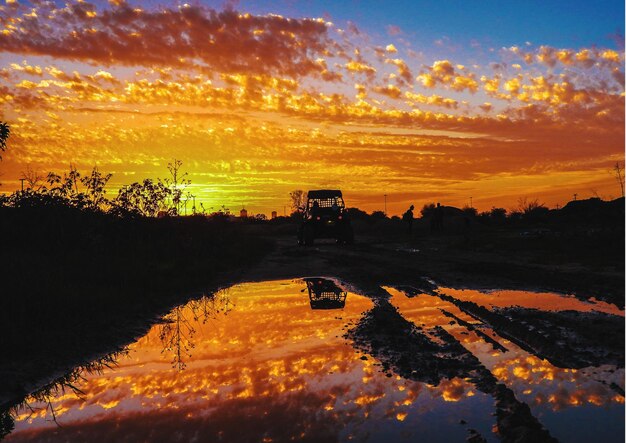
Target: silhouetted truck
(325, 216)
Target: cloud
(390, 48)
(513, 85)
(390, 91)
(403, 70)
(435, 100)
(27, 69)
(444, 73)
(584, 58)
(491, 85)
(193, 37)
(360, 67)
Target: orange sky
(257, 105)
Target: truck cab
(325, 216)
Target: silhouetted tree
(177, 182)
(528, 207)
(378, 215)
(428, 210)
(5, 131)
(146, 199)
(33, 179)
(496, 215)
(468, 210)
(298, 200)
(42, 399)
(178, 331)
(95, 184)
(66, 186)
(357, 214)
(7, 424)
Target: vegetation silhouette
(177, 331)
(42, 398)
(88, 269)
(5, 131)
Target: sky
(482, 103)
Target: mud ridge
(406, 350)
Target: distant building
(243, 213)
(274, 215)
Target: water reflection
(549, 390)
(179, 326)
(432, 355)
(523, 372)
(546, 301)
(261, 354)
(325, 294)
(44, 402)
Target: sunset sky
(421, 100)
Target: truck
(325, 216)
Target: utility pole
(385, 205)
(22, 180)
(471, 205)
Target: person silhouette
(315, 209)
(407, 218)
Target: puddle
(297, 360)
(560, 398)
(546, 301)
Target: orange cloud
(27, 69)
(390, 91)
(584, 58)
(487, 107)
(193, 37)
(360, 67)
(435, 100)
(442, 72)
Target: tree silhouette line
(147, 198)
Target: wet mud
(567, 339)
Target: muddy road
(369, 342)
(377, 261)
